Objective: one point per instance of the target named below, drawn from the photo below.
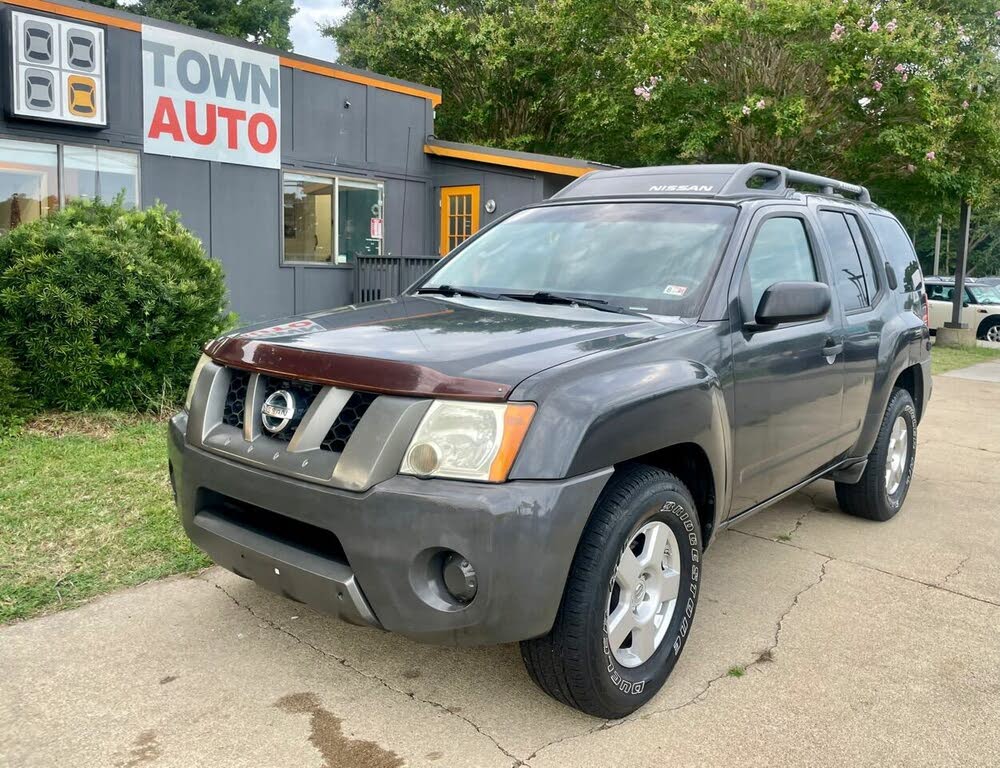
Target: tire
(989, 330)
(574, 663)
(875, 496)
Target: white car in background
(980, 306)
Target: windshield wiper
(546, 297)
(452, 290)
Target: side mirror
(792, 302)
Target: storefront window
(330, 220)
(29, 182)
(308, 208)
(94, 173)
(359, 220)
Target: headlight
(202, 361)
(468, 441)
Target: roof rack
(778, 178)
(706, 180)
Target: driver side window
(780, 253)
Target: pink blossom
(642, 92)
(965, 104)
(745, 110)
(861, 23)
(900, 69)
(873, 27)
(838, 31)
(910, 168)
(906, 76)
(997, 14)
(930, 155)
(891, 26)
(760, 104)
(877, 86)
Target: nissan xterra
(539, 439)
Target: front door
(459, 215)
(788, 380)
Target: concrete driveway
(860, 644)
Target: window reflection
(308, 202)
(29, 186)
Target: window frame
(355, 182)
(741, 275)
(871, 243)
(60, 144)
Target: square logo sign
(58, 68)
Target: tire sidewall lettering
(635, 687)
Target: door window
(940, 292)
(853, 271)
(897, 246)
(359, 220)
(780, 253)
(459, 215)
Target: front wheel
(880, 492)
(629, 600)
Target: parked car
(980, 306)
(538, 440)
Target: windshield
(984, 294)
(648, 257)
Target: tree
(262, 22)
(900, 95)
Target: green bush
(14, 404)
(104, 307)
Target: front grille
(342, 429)
(236, 398)
(303, 391)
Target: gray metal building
(295, 173)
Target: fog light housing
(460, 577)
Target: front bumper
(382, 569)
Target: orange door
(459, 215)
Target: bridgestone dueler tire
(573, 663)
(868, 497)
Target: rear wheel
(990, 330)
(629, 600)
(880, 492)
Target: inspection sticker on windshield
(675, 290)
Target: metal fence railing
(382, 277)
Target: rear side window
(940, 292)
(780, 253)
(853, 270)
(899, 251)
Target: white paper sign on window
(209, 100)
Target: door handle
(833, 348)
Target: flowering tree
(900, 95)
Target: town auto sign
(209, 100)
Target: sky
(305, 37)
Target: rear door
(788, 380)
(860, 287)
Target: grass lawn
(945, 359)
(85, 507)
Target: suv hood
(415, 345)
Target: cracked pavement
(859, 644)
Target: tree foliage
(262, 22)
(103, 307)
(900, 95)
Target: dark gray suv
(538, 441)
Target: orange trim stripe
(78, 13)
(512, 162)
(353, 77)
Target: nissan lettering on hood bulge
(208, 100)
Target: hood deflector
(351, 371)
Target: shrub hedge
(105, 307)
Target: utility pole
(937, 247)
(961, 262)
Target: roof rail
(778, 178)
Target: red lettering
(208, 136)
(270, 140)
(165, 120)
(233, 117)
